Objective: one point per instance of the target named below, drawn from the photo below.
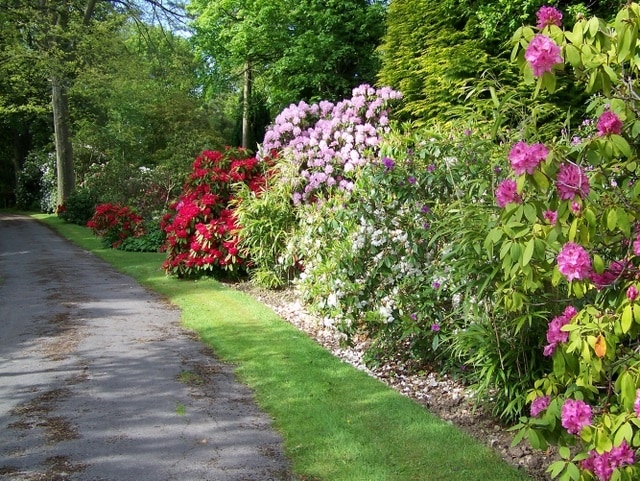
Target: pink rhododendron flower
(525, 158)
(548, 16)
(636, 404)
(539, 404)
(555, 334)
(551, 216)
(572, 181)
(603, 464)
(636, 245)
(610, 275)
(574, 262)
(632, 293)
(575, 415)
(542, 54)
(507, 193)
(609, 123)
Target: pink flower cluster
(575, 415)
(329, 141)
(507, 193)
(525, 157)
(539, 404)
(542, 54)
(547, 16)
(574, 262)
(555, 334)
(571, 182)
(603, 464)
(609, 124)
(636, 404)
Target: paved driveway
(99, 382)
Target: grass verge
(338, 423)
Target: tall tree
(291, 50)
(54, 28)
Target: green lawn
(338, 423)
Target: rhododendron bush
(569, 231)
(201, 228)
(115, 223)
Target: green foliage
(296, 50)
(79, 206)
(429, 69)
(151, 240)
(267, 220)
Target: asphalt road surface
(98, 381)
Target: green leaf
(556, 468)
(612, 219)
(626, 319)
(623, 222)
(572, 55)
(528, 252)
(621, 145)
(627, 390)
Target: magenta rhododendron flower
(632, 293)
(555, 334)
(574, 262)
(525, 158)
(575, 415)
(604, 464)
(551, 216)
(507, 193)
(548, 16)
(609, 123)
(636, 245)
(636, 404)
(539, 404)
(572, 181)
(610, 275)
(542, 54)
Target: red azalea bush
(201, 228)
(115, 223)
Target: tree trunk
(62, 135)
(246, 105)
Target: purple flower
(609, 123)
(435, 327)
(542, 54)
(388, 163)
(413, 316)
(632, 293)
(604, 464)
(425, 209)
(411, 179)
(431, 168)
(575, 415)
(435, 285)
(525, 158)
(572, 181)
(539, 404)
(636, 404)
(636, 245)
(548, 16)
(555, 334)
(551, 216)
(574, 262)
(507, 193)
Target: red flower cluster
(114, 223)
(201, 228)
